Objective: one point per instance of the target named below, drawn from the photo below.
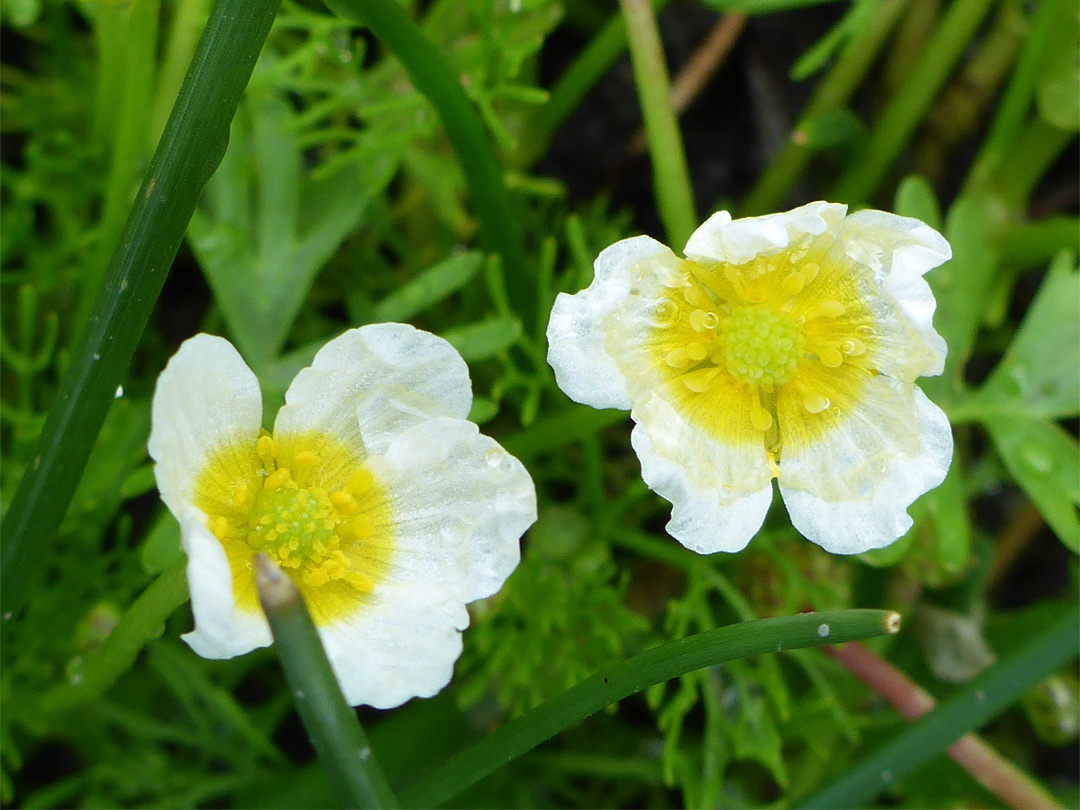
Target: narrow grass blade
(331, 723)
(640, 672)
(980, 700)
(190, 149)
(437, 78)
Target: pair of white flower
(783, 347)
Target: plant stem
(971, 752)
(640, 672)
(331, 723)
(435, 75)
(189, 151)
(571, 88)
(976, 703)
(773, 187)
(909, 105)
(671, 175)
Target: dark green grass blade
(437, 78)
(635, 674)
(187, 154)
(979, 701)
(331, 723)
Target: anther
(696, 352)
(343, 502)
(830, 356)
(277, 478)
(826, 309)
(363, 526)
(219, 525)
(242, 497)
(701, 380)
(302, 464)
(809, 271)
(760, 418)
(793, 284)
(265, 450)
(359, 481)
(677, 358)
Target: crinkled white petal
(373, 383)
(722, 239)
(459, 505)
(577, 340)
(206, 401)
(221, 629)
(719, 492)
(900, 250)
(875, 512)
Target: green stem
(671, 175)
(331, 723)
(572, 86)
(636, 674)
(137, 46)
(976, 703)
(1016, 101)
(773, 187)
(189, 151)
(436, 76)
(140, 624)
(909, 105)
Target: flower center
(320, 534)
(761, 346)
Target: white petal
(402, 645)
(577, 342)
(206, 401)
(874, 512)
(221, 629)
(901, 250)
(460, 504)
(722, 239)
(372, 383)
(719, 492)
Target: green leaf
(1058, 88)
(1045, 461)
(189, 150)
(947, 508)
(429, 287)
(1039, 377)
(636, 674)
(961, 287)
(828, 129)
(479, 341)
(161, 547)
(915, 197)
(966, 710)
(821, 51)
(266, 227)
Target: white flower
(784, 346)
(387, 508)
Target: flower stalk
(331, 724)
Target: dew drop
(886, 776)
(823, 631)
(665, 313)
(866, 331)
(493, 458)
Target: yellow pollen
(276, 479)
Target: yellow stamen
(360, 481)
(242, 497)
(302, 464)
(830, 356)
(265, 450)
(363, 526)
(277, 479)
(343, 502)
